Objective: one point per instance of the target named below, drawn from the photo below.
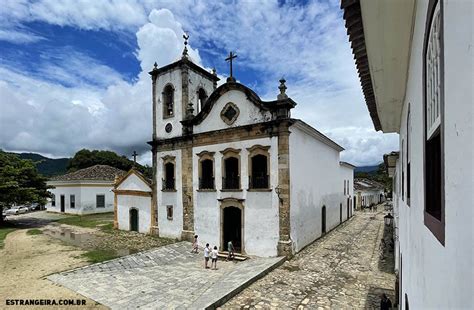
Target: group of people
(213, 253)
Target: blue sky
(73, 73)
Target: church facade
(230, 167)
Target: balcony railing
(168, 184)
(231, 182)
(206, 183)
(259, 181)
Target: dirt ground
(26, 260)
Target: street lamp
(278, 192)
(388, 219)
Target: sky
(73, 73)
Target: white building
(415, 60)
(132, 203)
(84, 191)
(229, 166)
(368, 193)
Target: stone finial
(185, 51)
(282, 87)
(214, 71)
(155, 66)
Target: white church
(230, 167)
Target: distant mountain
(46, 166)
(367, 169)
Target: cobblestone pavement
(346, 269)
(166, 277)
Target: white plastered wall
(261, 220)
(173, 78)
(436, 276)
(315, 181)
(143, 204)
(170, 228)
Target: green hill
(46, 166)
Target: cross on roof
(231, 56)
(134, 157)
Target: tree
(86, 158)
(20, 182)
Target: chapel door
(62, 203)
(323, 220)
(232, 228)
(134, 220)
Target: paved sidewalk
(343, 270)
(166, 277)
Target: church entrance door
(323, 220)
(134, 220)
(232, 228)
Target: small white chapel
(228, 166)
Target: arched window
(230, 169)
(259, 162)
(168, 181)
(168, 101)
(202, 97)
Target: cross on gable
(230, 58)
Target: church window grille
(207, 174)
(169, 212)
(100, 201)
(168, 101)
(433, 131)
(169, 180)
(72, 201)
(231, 178)
(259, 167)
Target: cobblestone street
(344, 269)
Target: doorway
(63, 204)
(232, 227)
(348, 215)
(134, 220)
(323, 220)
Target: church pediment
(233, 104)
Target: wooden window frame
(168, 160)
(252, 152)
(206, 155)
(72, 201)
(227, 153)
(435, 225)
(97, 202)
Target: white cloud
(306, 44)
(19, 37)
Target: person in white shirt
(206, 255)
(214, 258)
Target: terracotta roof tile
(97, 172)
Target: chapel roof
(97, 172)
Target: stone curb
(241, 287)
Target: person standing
(206, 256)
(214, 258)
(195, 245)
(231, 250)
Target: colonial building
(84, 191)
(132, 202)
(415, 62)
(229, 166)
(368, 193)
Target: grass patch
(97, 256)
(34, 231)
(3, 234)
(107, 227)
(90, 220)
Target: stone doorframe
(130, 218)
(237, 203)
